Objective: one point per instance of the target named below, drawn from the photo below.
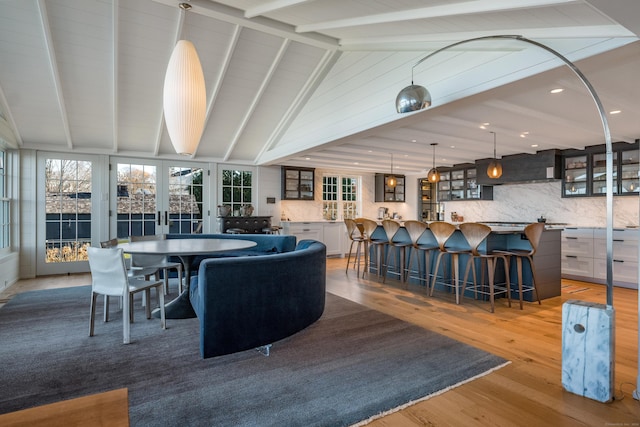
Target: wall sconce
(494, 170)
(184, 97)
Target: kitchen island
(547, 258)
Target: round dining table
(186, 249)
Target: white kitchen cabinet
(625, 256)
(332, 237)
(584, 255)
(577, 253)
(304, 230)
(329, 233)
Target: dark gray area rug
(353, 364)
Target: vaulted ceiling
(314, 82)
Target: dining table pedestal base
(179, 308)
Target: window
(5, 218)
(236, 189)
(340, 195)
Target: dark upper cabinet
(384, 193)
(427, 206)
(542, 166)
(584, 171)
(297, 183)
(460, 182)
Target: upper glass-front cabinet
(460, 183)
(575, 175)
(629, 171)
(297, 183)
(599, 174)
(585, 172)
(386, 193)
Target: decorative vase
(224, 210)
(248, 210)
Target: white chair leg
(147, 294)
(92, 312)
(163, 320)
(126, 326)
(106, 308)
(165, 273)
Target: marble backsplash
(527, 202)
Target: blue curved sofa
(251, 300)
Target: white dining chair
(109, 277)
(158, 262)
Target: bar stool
(416, 229)
(476, 233)
(355, 235)
(442, 231)
(391, 229)
(533, 232)
(274, 229)
(369, 227)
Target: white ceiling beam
(315, 78)
(53, 64)
(271, 6)
(114, 70)
(256, 99)
(7, 134)
(417, 41)
(266, 25)
(224, 67)
(449, 9)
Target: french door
(157, 197)
(69, 221)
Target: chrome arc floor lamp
(416, 97)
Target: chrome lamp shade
(184, 98)
(413, 98)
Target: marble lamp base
(588, 331)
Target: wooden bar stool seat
(533, 232)
(442, 231)
(357, 238)
(391, 229)
(416, 230)
(476, 233)
(372, 244)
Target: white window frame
(5, 205)
(334, 205)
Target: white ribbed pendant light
(184, 98)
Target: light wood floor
(528, 392)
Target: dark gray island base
(547, 258)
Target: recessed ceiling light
(307, 158)
(556, 90)
(615, 112)
(534, 145)
(524, 134)
(414, 140)
(484, 125)
(356, 163)
(453, 146)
